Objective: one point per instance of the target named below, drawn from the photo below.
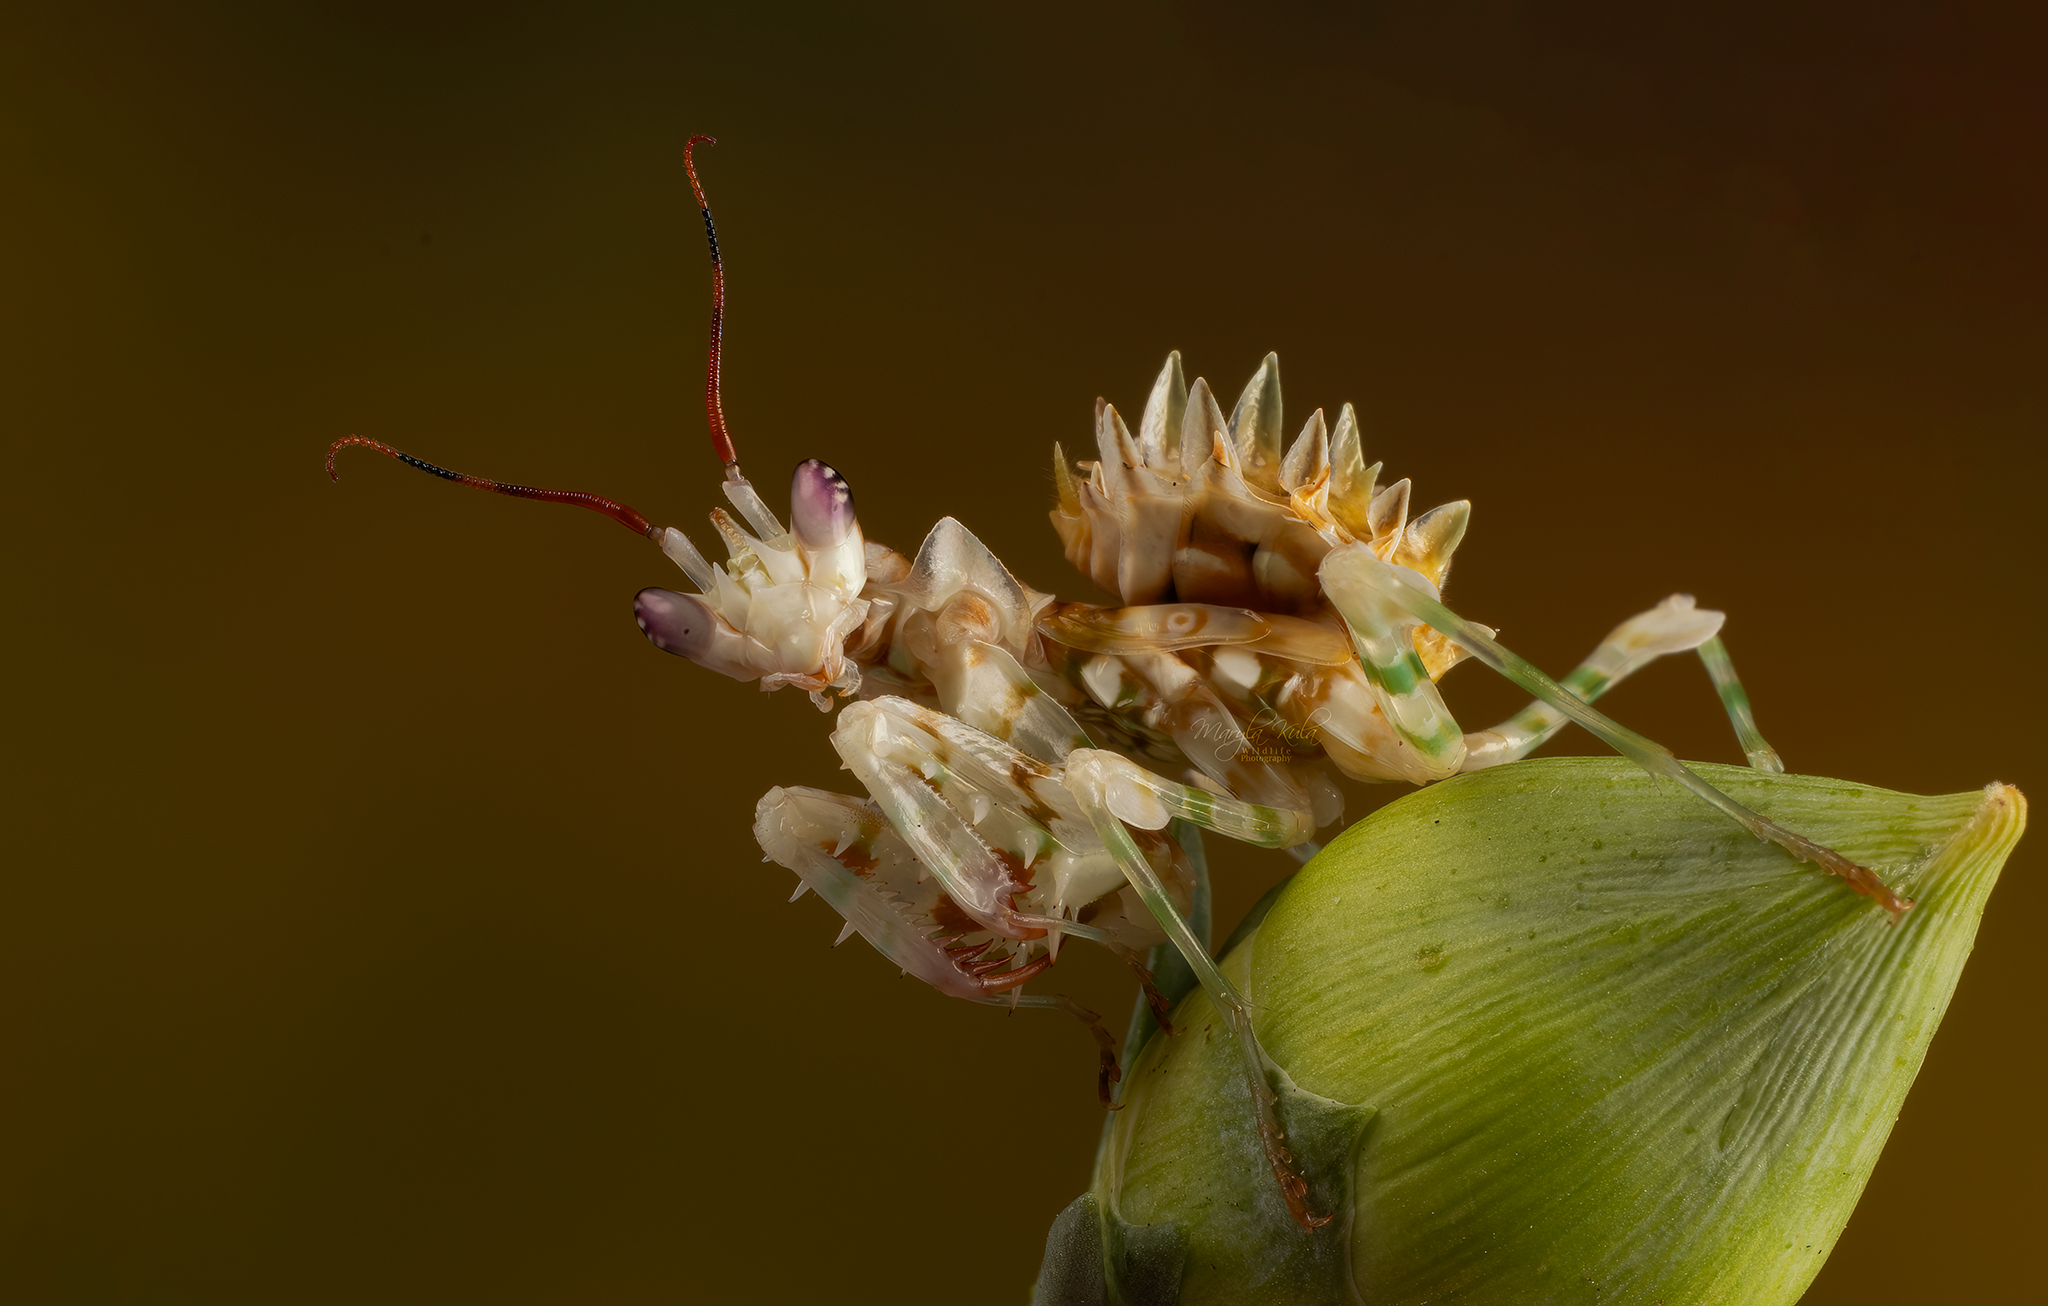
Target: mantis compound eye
(674, 623)
(820, 505)
(685, 625)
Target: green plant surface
(1553, 1032)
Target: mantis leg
(1172, 977)
(973, 811)
(1115, 794)
(844, 850)
(1736, 700)
(1108, 1072)
(1673, 626)
(1384, 595)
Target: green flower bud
(1548, 1032)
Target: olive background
(382, 920)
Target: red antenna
(630, 518)
(618, 512)
(721, 441)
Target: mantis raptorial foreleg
(977, 813)
(1377, 598)
(1673, 626)
(844, 850)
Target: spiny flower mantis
(1023, 758)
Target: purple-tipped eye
(820, 505)
(682, 624)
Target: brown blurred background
(381, 918)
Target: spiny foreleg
(843, 849)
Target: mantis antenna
(714, 411)
(630, 518)
(627, 517)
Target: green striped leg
(1394, 586)
(1673, 626)
(1736, 699)
(1383, 636)
(1114, 793)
